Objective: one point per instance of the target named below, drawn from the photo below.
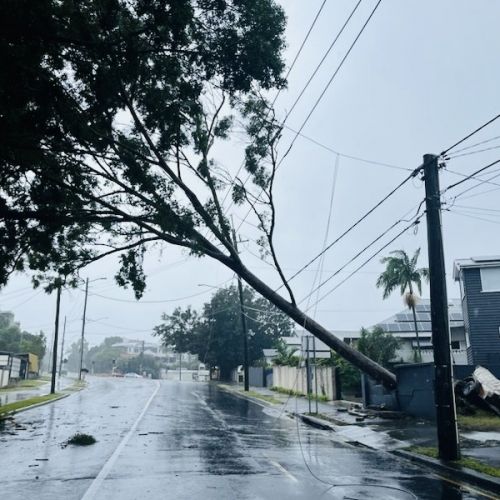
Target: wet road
(192, 440)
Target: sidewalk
(392, 436)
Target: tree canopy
(14, 339)
(111, 112)
(215, 333)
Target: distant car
(132, 375)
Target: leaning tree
(109, 115)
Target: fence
(291, 378)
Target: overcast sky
(422, 76)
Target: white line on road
(283, 470)
(99, 479)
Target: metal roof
(474, 262)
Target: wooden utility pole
(243, 323)
(56, 338)
(83, 328)
(448, 443)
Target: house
(401, 326)
(479, 279)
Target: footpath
(399, 435)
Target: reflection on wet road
(188, 440)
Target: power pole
(54, 349)
(448, 443)
(243, 323)
(142, 359)
(62, 347)
(83, 328)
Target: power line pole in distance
(54, 349)
(446, 417)
(62, 347)
(243, 323)
(83, 328)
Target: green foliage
(25, 403)
(72, 174)
(215, 334)
(402, 272)
(73, 359)
(14, 339)
(81, 439)
(286, 355)
(378, 345)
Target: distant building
(479, 279)
(401, 326)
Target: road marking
(283, 470)
(99, 479)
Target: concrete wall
(289, 377)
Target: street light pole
(83, 328)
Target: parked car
(132, 375)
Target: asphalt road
(192, 441)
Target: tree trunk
(358, 359)
(416, 333)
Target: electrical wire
(476, 144)
(177, 299)
(318, 66)
(468, 177)
(475, 152)
(413, 224)
(468, 136)
(318, 100)
(475, 178)
(354, 225)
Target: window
(490, 279)
(455, 344)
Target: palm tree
(402, 272)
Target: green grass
(481, 421)
(291, 392)
(17, 405)
(263, 397)
(25, 384)
(470, 463)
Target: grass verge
(263, 397)
(17, 405)
(291, 392)
(470, 463)
(481, 421)
(25, 384)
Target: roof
(474, 262)
(402, 325)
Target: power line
(177, 299)
(487, 181)
(352, 259)
(318, 100)
(477, 144)
(470, 216)
(468, 177)
(477, 151)
(304, 41)
(414, 223)
(318, 66)
(350, 228)
(489, 122)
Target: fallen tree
(110, 114)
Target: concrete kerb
(469, 476)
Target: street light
(83, 323)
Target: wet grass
(469, 463)
(481, 421)
(25, 384)
(291, 392)
(18, 405)
(263, 397)
(81, 439)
